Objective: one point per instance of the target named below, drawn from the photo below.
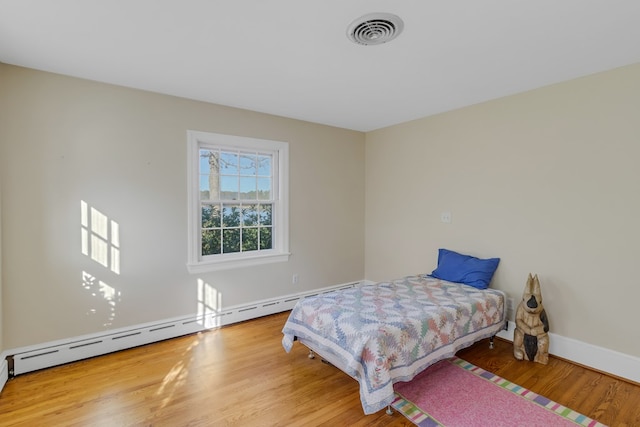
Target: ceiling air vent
(375, 28)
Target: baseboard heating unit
(27, 359)
(4, 373)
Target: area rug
(455, 393)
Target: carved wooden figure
(530, 339)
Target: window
(238, 208)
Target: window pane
(248, 164)
(250, 215)
(264, 188)
(231, 216)
(266, 241)
(248, 188)
(211, 242)
(249, 239)
(231, 240)
(208, 161)
(211, 216)
(228, 163)
(205, 192)
(266, 214)
(264, 165)
(229, 187)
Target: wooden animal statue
(530, 339)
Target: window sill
(235, 262)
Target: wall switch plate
(445, 217)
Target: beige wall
(546, 180)
(123, 152)
(1, 321)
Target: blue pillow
(472, 271)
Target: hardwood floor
(240, 375)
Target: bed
(387, 332)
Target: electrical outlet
(295, 279)
(445, 217)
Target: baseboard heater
(32, 358)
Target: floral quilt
(391, 331)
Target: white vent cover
(375, 28)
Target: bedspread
(388, 332)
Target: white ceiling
(292, 57)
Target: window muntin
(238, 200)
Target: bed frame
(388, 332)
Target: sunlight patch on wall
(100, 237)
(100, 242)
(209, 304)
(106, 298)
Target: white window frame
(280, 218)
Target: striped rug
(455, 393)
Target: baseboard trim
(4, 373)
(592, 356)
(46, 355)
(27, 359)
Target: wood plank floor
(239, 375)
